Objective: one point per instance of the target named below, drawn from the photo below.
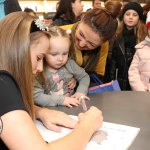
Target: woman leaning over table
(21, 54)
(90, 39)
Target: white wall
(47, 6)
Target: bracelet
(1, 125)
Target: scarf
(147, 40)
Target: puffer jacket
(139, 71)
(61, 21)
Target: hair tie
(38, 25)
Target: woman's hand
(93, 115)
(53, 119)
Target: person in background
(124, 2)
(131, 31)
(30, 12)
(146, 8)
(139, 71)
(51, 88)
(8, 6)
(96, 3)
(68, 12)
(57, 4)
(17, 111)
(112, 6)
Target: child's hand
(72, 84)
(78, 95)
(70, 101)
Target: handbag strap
(96, 79)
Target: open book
(110, 137)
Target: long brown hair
(65, 10)
(103, 23)
(15, 53)
(113, 6)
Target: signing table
(128, 108)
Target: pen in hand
(83, 104)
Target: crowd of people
(51, 65)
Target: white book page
(110, 137)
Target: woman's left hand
(53, 119)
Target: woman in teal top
(2, 12)
(8, 6)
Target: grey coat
(43, 94)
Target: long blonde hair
(15, 53)
(54, 31)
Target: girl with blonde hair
(51, 87)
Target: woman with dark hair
(67, 12)
(90, 39)
(96, 27)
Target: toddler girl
(51, 88)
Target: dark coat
(62, 21)
(122, 54)
(11, 6)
